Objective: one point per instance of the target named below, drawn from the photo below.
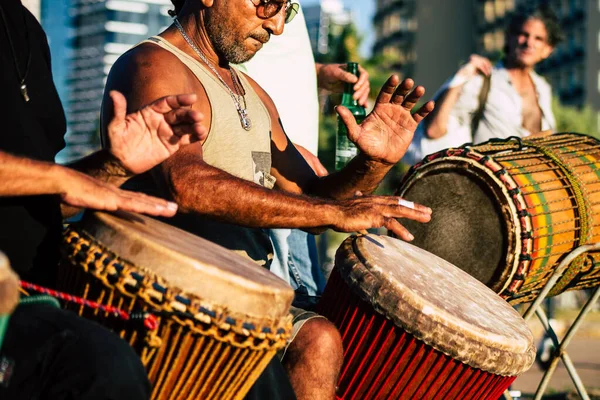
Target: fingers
(388, 89)
(144, 204)
(424, 111)
(168, 103)
(188, 133)
(392, 225)
(363, 79)
(183, 115)
(362, 95)
(187, 122)
(402, 90)
(119, 106)
(482, 64)
(350, 122)
(362, 87)
(345, 76)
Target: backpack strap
(483, 96)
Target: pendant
(24, 93)
(244, 119)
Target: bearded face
(233, 36)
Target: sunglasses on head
(269, 8)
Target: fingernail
(172, 206)
(410, 237)
(429, 210)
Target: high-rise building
(323, 21)
(425, 41)
(101, 32)
(448, 32)
(55, 21)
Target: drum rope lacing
(149, 320)
(562, 150)
(107, 266)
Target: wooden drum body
(416, 327)
(508, 212)
(221, 318)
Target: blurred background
(426, 40)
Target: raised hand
(145, 138)
(476, 65)
(80, 190)
(364, 212)
(386, 133)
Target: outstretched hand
(145, 138)
(386, 133)
(80, 190)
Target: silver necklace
(237, 99)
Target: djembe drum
(221, 318)
(9, 294)
(509, 211)
(416, 327)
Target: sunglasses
(269, 8)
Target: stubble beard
(223, 40)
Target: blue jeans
(295, 261)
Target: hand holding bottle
(345, 150)
(386, 133)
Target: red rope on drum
(150, 321)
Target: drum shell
(383, 361)
(540, 212)
(200, 350)
(414, 326)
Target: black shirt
(30, 227)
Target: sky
(363, 11)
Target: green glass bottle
(345, 150)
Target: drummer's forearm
(360, 175)
(208, 191)
(103, 166)
(21, 176)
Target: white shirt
(502, 115)
(285, 69)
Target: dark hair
(178, 4)
(545, 14)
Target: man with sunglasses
(223, 184)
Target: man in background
(482, 101)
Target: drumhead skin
(471, 226)
(191, 264)
(437, 303)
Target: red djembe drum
(508, 211)
(416, 327)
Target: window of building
(488, 11)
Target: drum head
(468, 226)
(437, 303)
(191, 264)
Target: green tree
(573, 119)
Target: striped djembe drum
(531, 202)
(414, 326)
(221, 318)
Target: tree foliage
(574, 119)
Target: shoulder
(147, 61)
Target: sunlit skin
(529, 46)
